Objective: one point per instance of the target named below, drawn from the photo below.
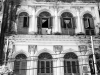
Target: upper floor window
(44, 23)
(68, 23)
(23, 23)
(88, 24)
(24, 19)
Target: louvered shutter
(28, 21)
(91, 22)
(61, 20)
(16, 67)
(23, 67)
(74, 22)
(86, 24)
(50, 22)
(39, 23)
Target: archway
(89, 24)
(23, 23)
(45, 64)
(44, 23)
(71, 65)
(20, 64)
(67, 23)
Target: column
(78, 22)
(32, 23)
(97, 20)
(31, 63)
(59, 24)
(54, 66)
(62, 66)
(56, 27)
(28, 66)
(35, 65)
(58, 64)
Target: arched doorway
(71, 65)
(88, 24)
(67, 23)
(91, 63)
(45, 64)
(44, 23)
(20, 64)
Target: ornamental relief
(58, 48)
(32, 48)
(83, 49)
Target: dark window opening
(67, 23)
(44, 22)
(26, 22)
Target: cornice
(53, 39)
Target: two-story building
(53, 38)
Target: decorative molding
(58, 48)
(32, 48)
(83, 49)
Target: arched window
(68, 23)
(20, 65)
(45, 65)
(23, 23)
(91, 63)
(44, 23)
(71, 65)
(88, 24)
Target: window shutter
(23, 67)
(39, 23)
(51, 22)
(16, 66)
(74, 22)
(28, 21)
(86, 24)
(61, 20)
(91, 22)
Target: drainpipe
(94, 58)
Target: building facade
(54, 38)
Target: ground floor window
(20, 65)
(71, 65)
(45, 64)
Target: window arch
(23, 23)
(71, 63)
(45, 64)
(44, 23)
(88, 24)
(67, 23)
(91, 63)
(20, 64)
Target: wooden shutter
(86, 24)
(91, 22)
(61, 20)
(39, 23)
(51, 22)
(74, 22)
(23, 67)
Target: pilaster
(32, 22)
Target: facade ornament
(58, 48)
(32, 48)
(83, 49)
